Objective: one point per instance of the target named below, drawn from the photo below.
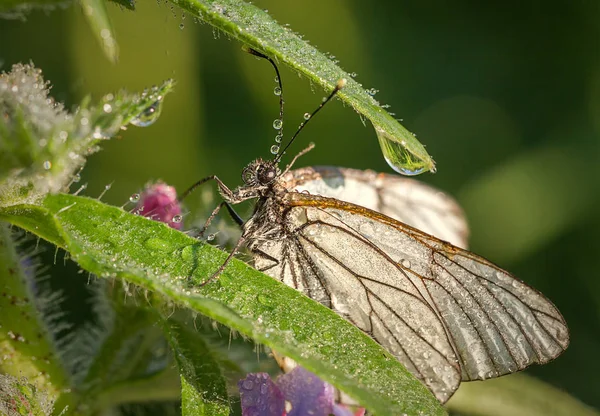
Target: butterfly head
(260, 173)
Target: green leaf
(24, 336)
(237, 356)
(254, 27)
(128, 348)
(516, 395)
(42, 145)
(203, 388)
(112, 243)
(97, 16)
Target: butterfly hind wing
(360, 283)
(445, 313)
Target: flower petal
(306, 393)
(260, 396)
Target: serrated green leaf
(42, 145)
(112, 243)
(254, 27)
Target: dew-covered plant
(159, 337)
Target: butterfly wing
(404, 199)
(444, 312)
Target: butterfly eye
(248, 176)
(266, 174)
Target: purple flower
(297, 393)
(159, 202)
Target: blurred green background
(505, 94)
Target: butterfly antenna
(338, 86)
(278, 90)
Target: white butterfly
(447, 314)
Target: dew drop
(181, 26)
(177, 219)
(406, 263)
(264, 300)
(279, 138)
(210, 237)
(399, 157)
(148, 116)
(134, 198)
(277, 124)
(47, 165)
(107, 108)
(306, 116)
(277, 91)
(76, 177)
(158, 244)
(274, 149)
(188, 253)
(276, 79)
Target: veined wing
(404, 199)
(444, 312)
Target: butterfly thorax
(262, 180)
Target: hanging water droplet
(107, 108)
(177, 219)
(276, 79)
(210, 237)
(400, 158)
(274, 149)
(277, 124)
(181, 26)
(306, 116)
(353, 74)
(76, 178)
(134, 198)
(149, 115)
(47, 165)
(277, 91)
(406, 263)
(279, 138)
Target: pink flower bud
(159, 202)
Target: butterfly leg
(225, 263)
(302, 153)
(234, 215)
(223, 189)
